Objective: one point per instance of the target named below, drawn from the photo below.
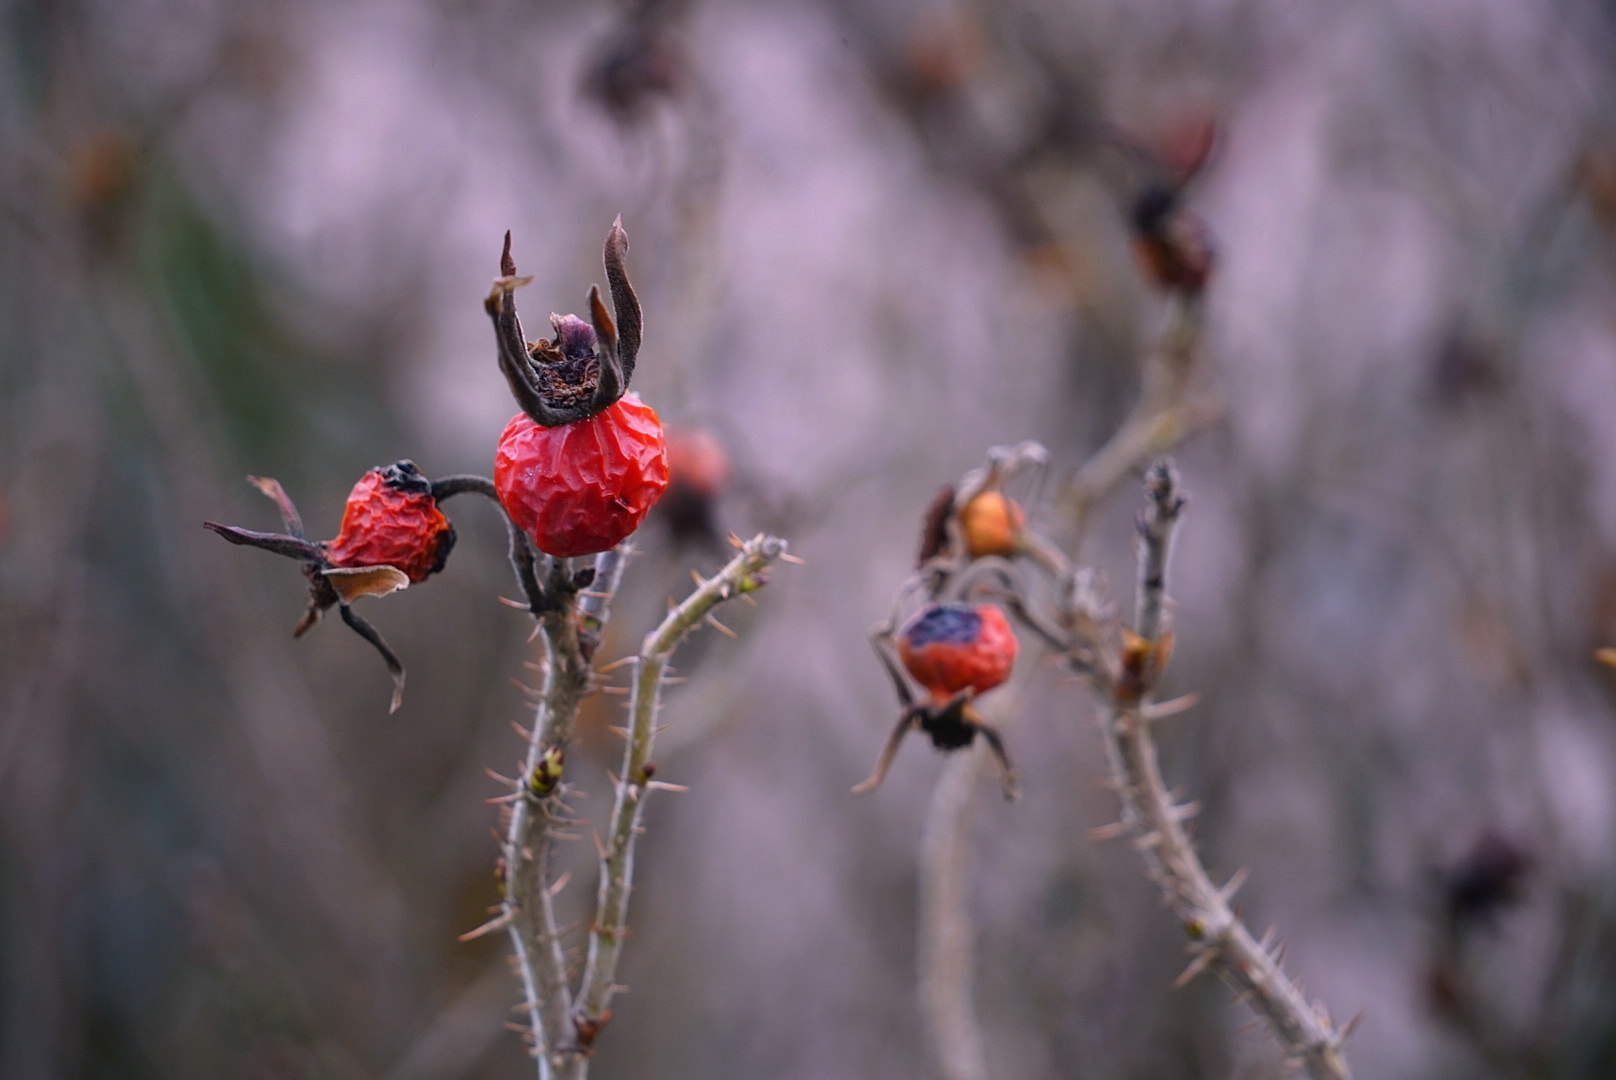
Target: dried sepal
(353, 582)
(587, 366)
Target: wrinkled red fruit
(583, 487)
(951, 647)
(392, 520)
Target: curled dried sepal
(395, 666)
(587, 366)
(271, 487)
(951, 726)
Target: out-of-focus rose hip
(953, 647)
(697, 461)
(992, 524)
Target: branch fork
(565, 1023)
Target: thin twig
(742, 575)
(524, 559)
(946, 930)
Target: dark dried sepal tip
(583, 578)
(889, 751)
(588, 365)
(293, 547)
(395, 666)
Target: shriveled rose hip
(583, 487)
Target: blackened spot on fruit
(446, 544)
(402, 475)
(944, 623)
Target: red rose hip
(391, 519)
(583, 487)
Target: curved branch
(1219, 939)
(524, 557)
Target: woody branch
(1219, 940)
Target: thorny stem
(529, 908)
(743, 574)
(595, 603)
(1219, 939)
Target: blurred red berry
(697, 462)
(1184, 143)
(953, 647)
(698, 474)
(582, 487)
